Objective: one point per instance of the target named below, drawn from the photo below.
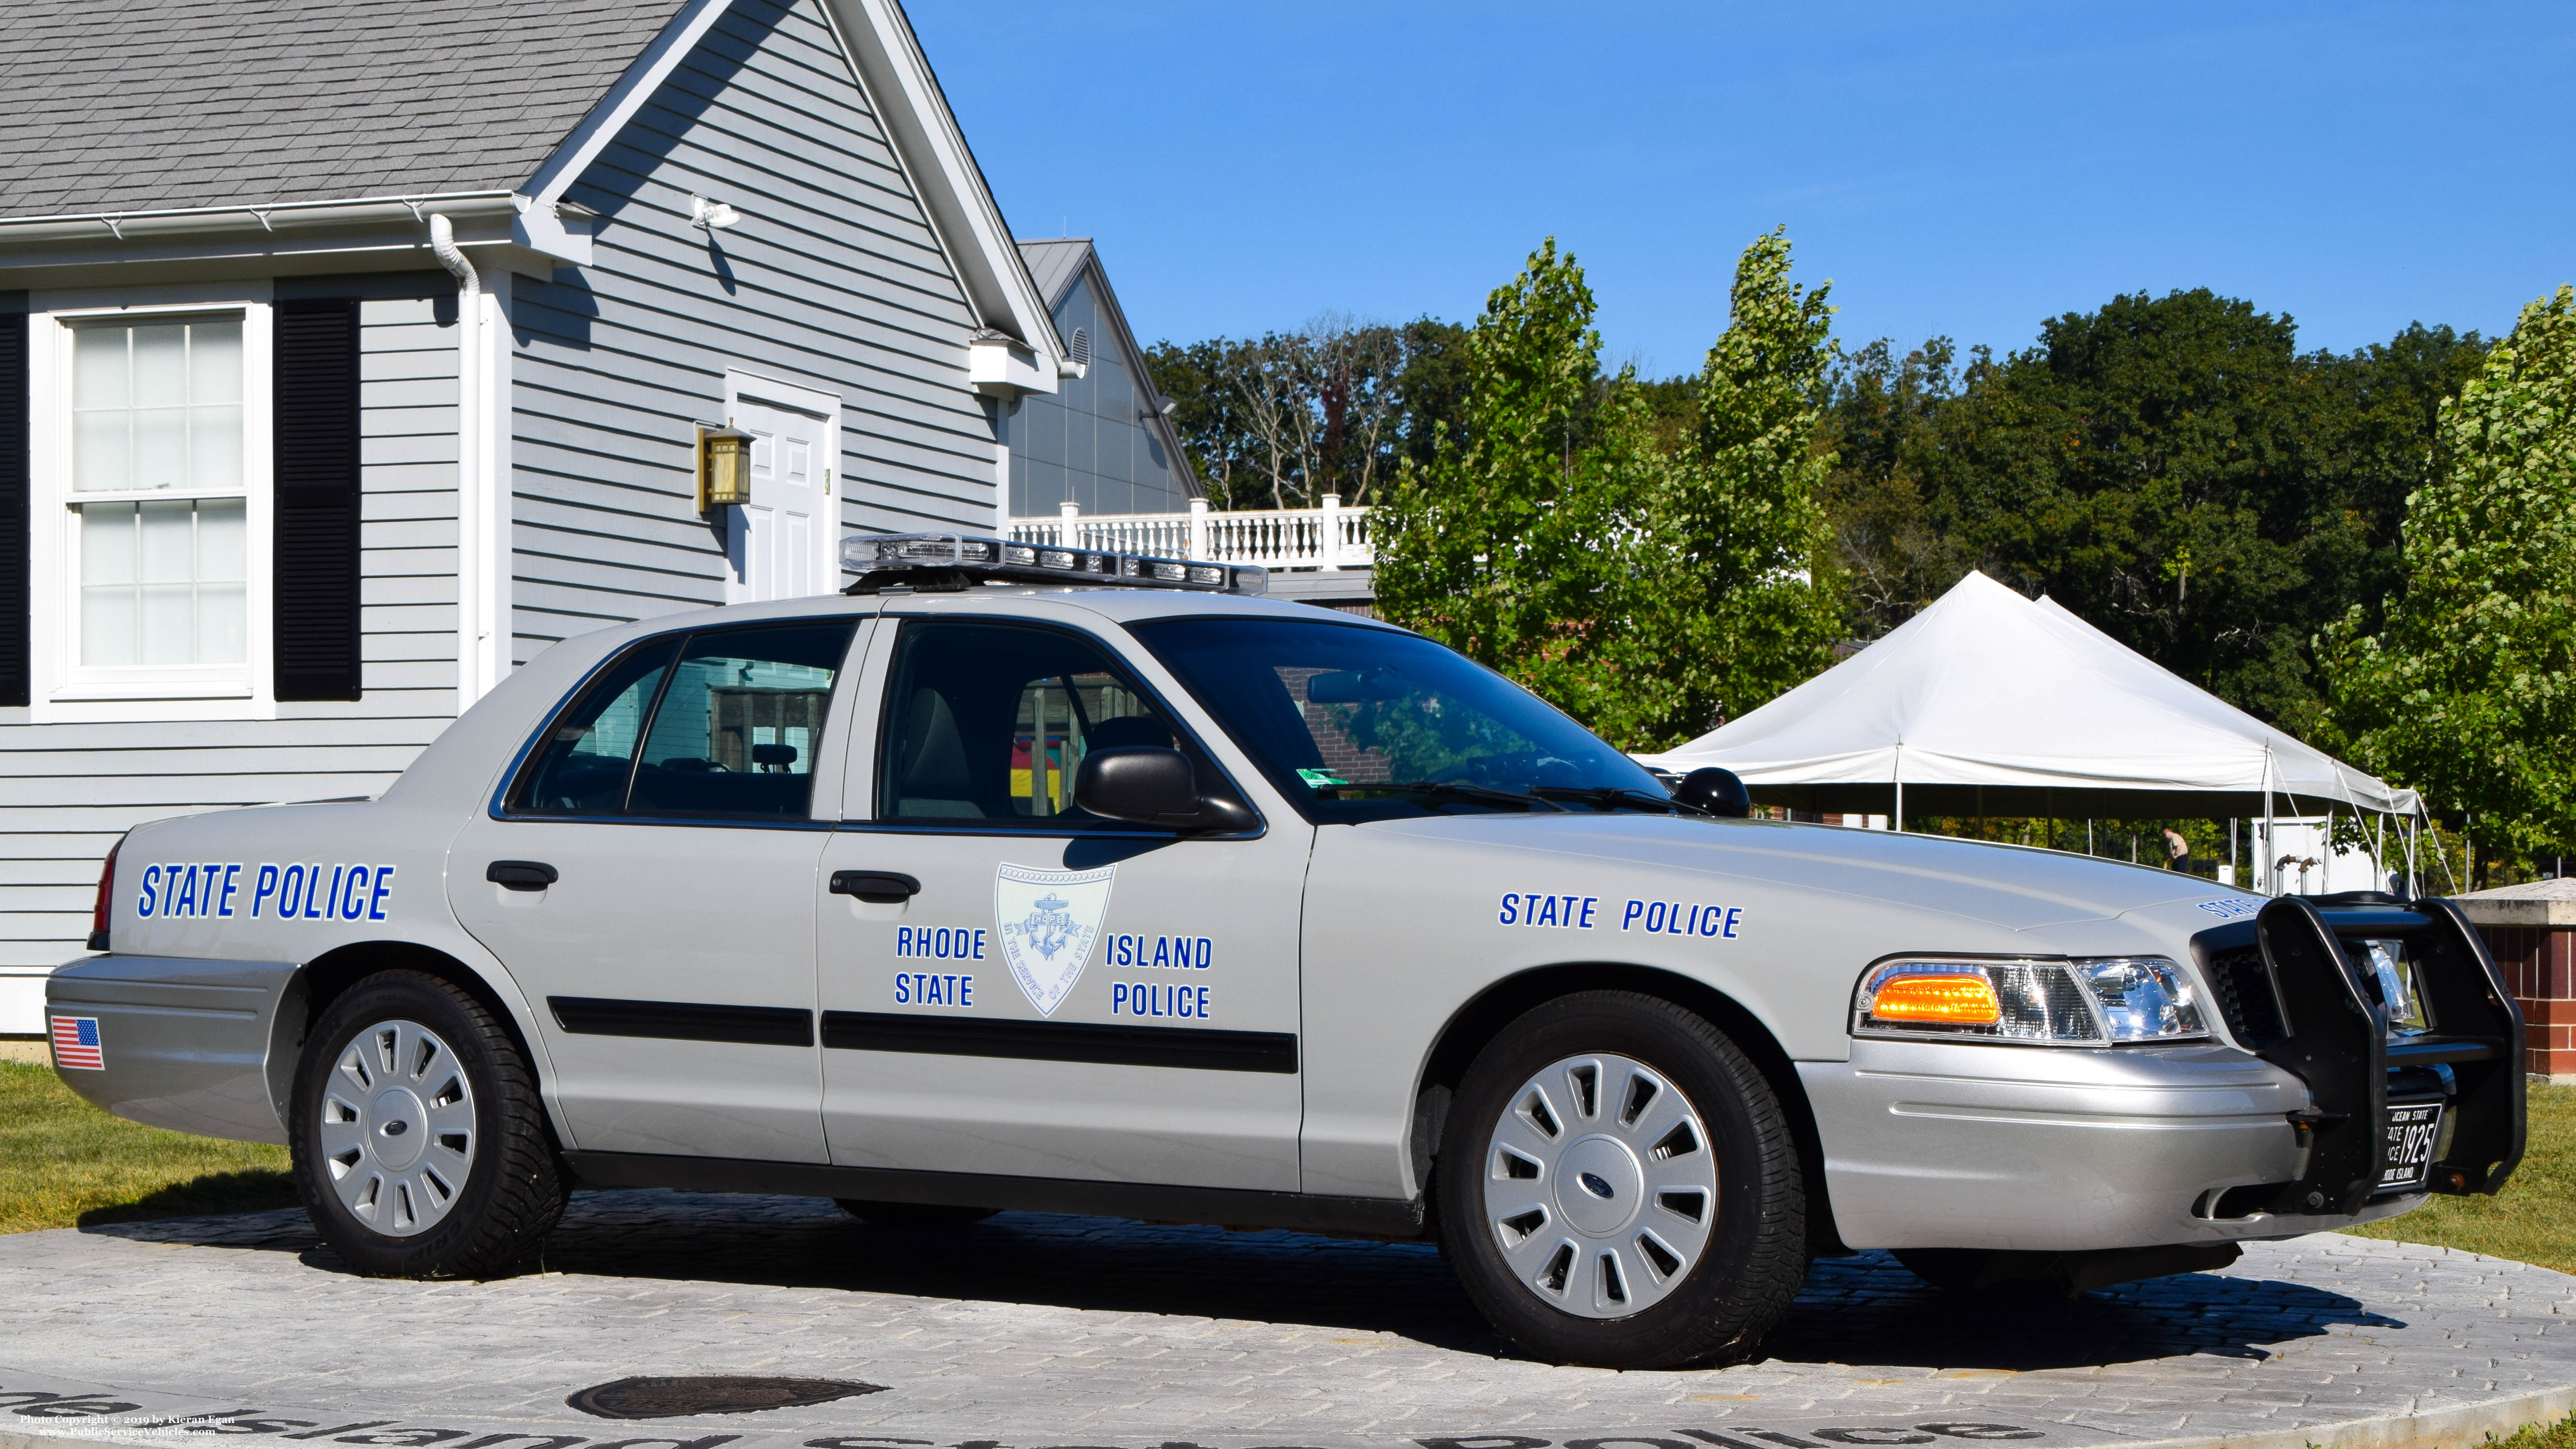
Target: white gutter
(531, 222)
(267, 213)
(477, 530)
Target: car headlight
(2087, 1001)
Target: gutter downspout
(474, 535)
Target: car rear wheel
(420, 1146)
(913, 1216)
(1618, 1186)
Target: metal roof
(1054, 263)
(160, 104)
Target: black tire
(1748, 1270)
(907, 1217)
(515, 1184)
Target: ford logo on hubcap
(395, 1129)
(1594, 1184)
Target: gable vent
(1080, 346)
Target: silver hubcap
(1600, 1186)
(397, 1128)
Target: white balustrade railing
(1330, 537)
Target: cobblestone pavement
(1037, 1330)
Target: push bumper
(1946, 1145)
(187, 1044)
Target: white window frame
(63, 690)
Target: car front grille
(2243, 984)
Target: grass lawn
(2560, 1435)
(63, 1161)
(2533, 1219)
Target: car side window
(736, 728)
(721, 724)
(588, 755)
(990, 722)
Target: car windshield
(1355, 723)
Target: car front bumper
(1948, 1145)
(188, 1044)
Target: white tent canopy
(1989, 704)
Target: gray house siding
(613, 363)
(1089, 443)
(68, 790)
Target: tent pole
(2088, 835)
(2271, 831)
(2231, 850)
(1900, 787)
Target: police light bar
(956, 560)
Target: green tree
(1516, 544)
(1648, 559)
(1334, 407)
(2468, 692)
(1746, 599)
(1878, 420)
(2175, 471)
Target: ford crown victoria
(1043, 879)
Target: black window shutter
(14, 482)
(317, 499)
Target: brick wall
(2539, 964)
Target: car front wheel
(420, 1145)
(1618, 1186)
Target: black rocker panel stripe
(684, 1020)
(1198, 1048)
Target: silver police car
(1040, 878)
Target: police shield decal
(1048, 920)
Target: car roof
(1119, 604)
(1136, 605)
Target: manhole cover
(673, 1398)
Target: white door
(784, 543)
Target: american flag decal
(76, 1044)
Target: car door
(1063, 996)
(649, 880)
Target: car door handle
(521, 875)
(883, 887)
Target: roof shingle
(143, 105)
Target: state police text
(293, 892)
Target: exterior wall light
(724, 468)
(709, 214)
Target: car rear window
(724, 723)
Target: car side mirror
(1151, 785)
(1716, 791)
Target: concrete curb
(2463, 1426)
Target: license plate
(2407, 1155)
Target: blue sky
(1965, 169)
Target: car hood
(2016, 888)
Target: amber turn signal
(1961, 1000)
